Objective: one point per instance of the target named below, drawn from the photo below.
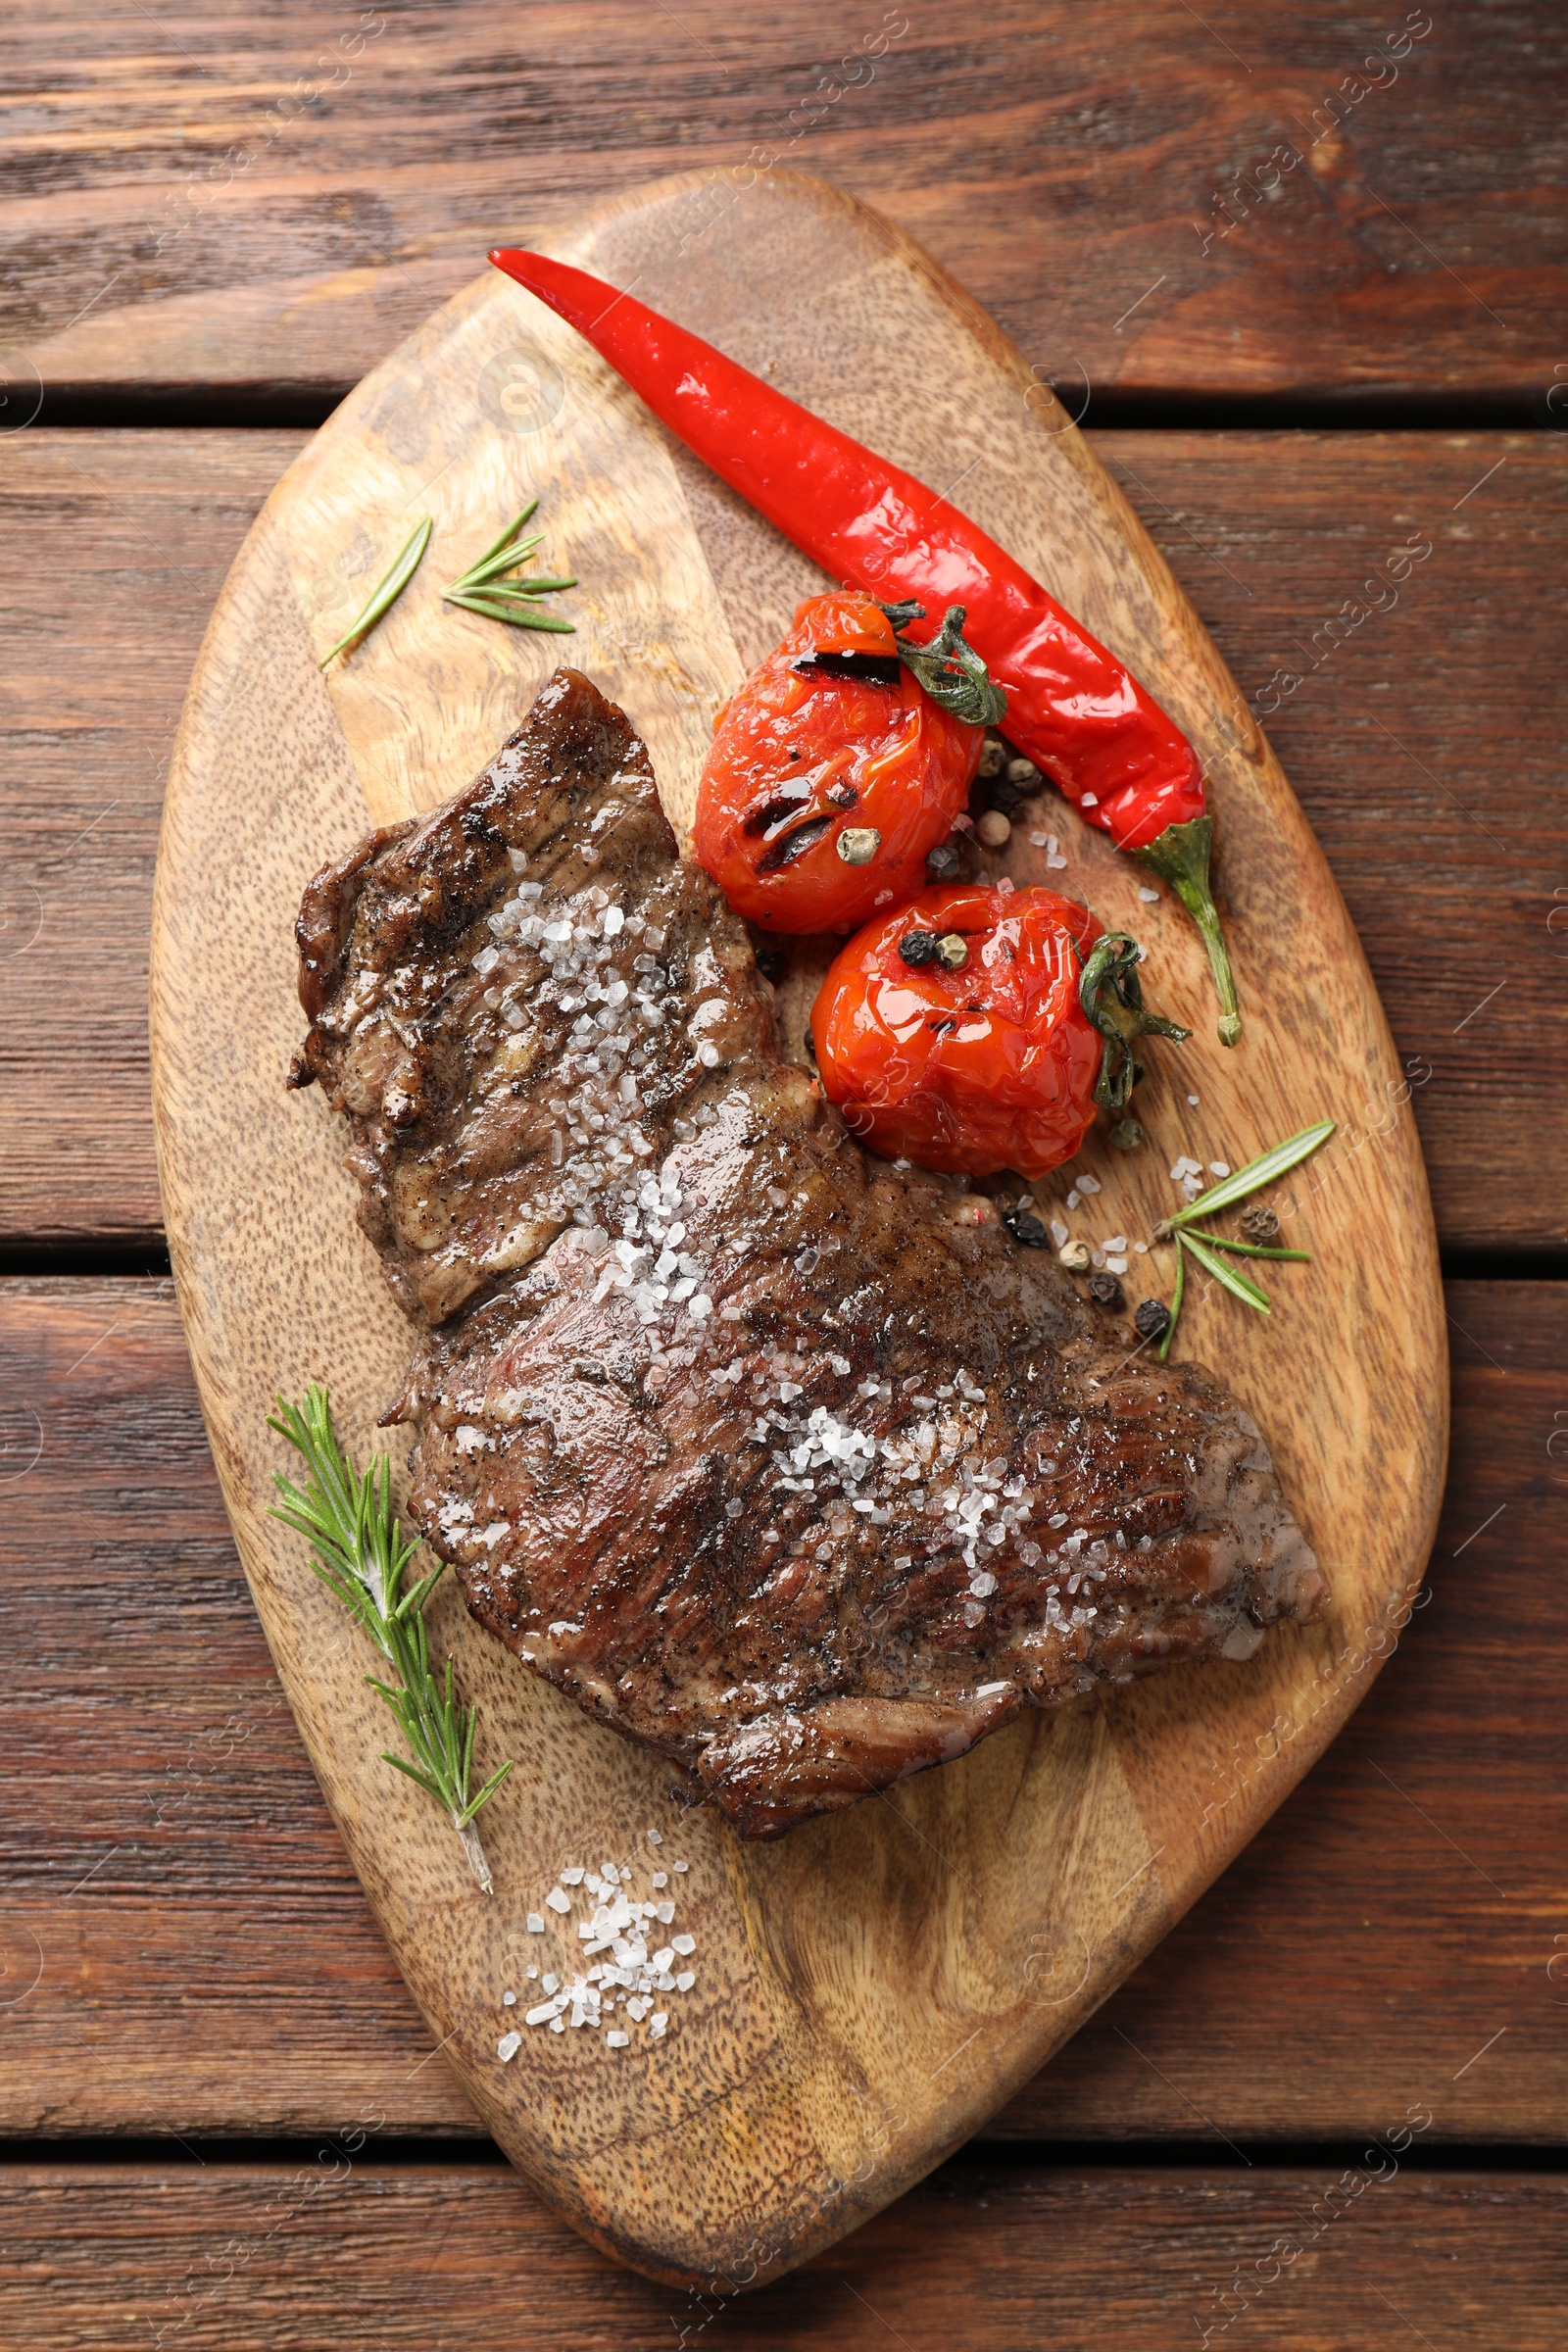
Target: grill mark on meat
(717, 1416)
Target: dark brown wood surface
(206, 1963)
(1327, 198)
(333, 2248)
(1424, 740)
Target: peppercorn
(942, 863)
(1105, 1291)
(1005, 798)
(1024, 776)
(994, 831)
(1127, 1135)
(1075, 1256)
(858, 845)
(1152, 1319)
(994, 758)
(1025, 1227)
(1260, 1223)
(953, 952)
(917, 948)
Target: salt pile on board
(626, 1979)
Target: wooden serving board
(869, 1990)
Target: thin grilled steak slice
(794, 1467)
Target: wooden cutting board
(869, 1990)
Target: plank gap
(469, 2152)
(1107, 408)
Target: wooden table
(1315, 308)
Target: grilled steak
(789, 1464)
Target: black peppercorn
(1105, 1291)
(917, 948)
(942, 863)
(1127, 1135)
(1152, 1319)
(1026, 1227)
(1260, 1223)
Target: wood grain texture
(1425, 747)
(193, 197)
(1083, 1835)
(343, 2250)
(206, 1962)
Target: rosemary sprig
(485, 589)
(362, 1554)
(387, 593)
(1201, 1244)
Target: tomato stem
(948, 666)
(1112, 997)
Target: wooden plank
(1424, 748)
(205, 1962)
(1211, 202)
(130, 538)
(340, 2248)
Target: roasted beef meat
(791, 1465)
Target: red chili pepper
(978, 1029)
(1077, 712)
(832, 773)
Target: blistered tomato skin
(969, 1071)
(801, 757)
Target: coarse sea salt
(586, 1997)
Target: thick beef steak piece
(791, 1465)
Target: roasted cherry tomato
(832, 773)
(952, 1034)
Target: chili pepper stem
(1180, 857)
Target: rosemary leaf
(536, 584)
(1253, 1176)
(1175, 1299)
(362, 1554)
(508, 558)
(521, 615)
(523, 592)
(1220, 1241)
(1239, 1284)
(412, 1770)
(386, 594)
(506, 539)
